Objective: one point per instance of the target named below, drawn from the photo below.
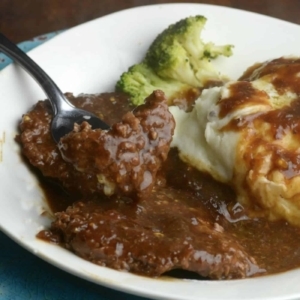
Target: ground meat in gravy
(127, 156)
(42, 152)
(150, 237)
(189, 221)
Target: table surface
(22, 20)
(22, 275)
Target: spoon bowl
(65, 115)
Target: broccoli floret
(179, 53)
(140, 81)
(212, 51)
(176, 62)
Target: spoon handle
(59, 101)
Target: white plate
(90, 58)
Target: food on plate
(178, 62)
(193, 219)
(42, 153)
(163, 230)
(153, 236)
(125, 158)
(246, 133)
(122, 198)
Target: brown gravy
(188, 217)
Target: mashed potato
(247, 134)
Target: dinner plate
(90, 58)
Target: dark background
(23, 19)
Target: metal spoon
(65, 114)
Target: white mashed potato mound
(247, 134)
